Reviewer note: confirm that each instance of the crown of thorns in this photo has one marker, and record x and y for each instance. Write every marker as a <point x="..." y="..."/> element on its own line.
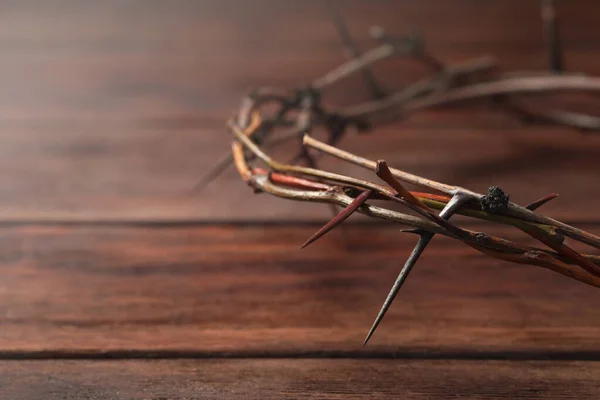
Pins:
<point x="258" y="127"/>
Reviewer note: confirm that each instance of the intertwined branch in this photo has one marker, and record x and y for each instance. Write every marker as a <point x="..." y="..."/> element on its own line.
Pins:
<point x="310" y="184"/>
<point x="299" y="113"/>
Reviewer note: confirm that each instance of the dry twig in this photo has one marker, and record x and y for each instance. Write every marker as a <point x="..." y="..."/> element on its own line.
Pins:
<point x="301" y="111"/>
<point x="315" y="185"/>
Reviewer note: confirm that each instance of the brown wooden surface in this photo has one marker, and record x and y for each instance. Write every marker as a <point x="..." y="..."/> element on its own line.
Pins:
<point x="109" y="113"/>
<point x="105" y="116"/>
<point x="139" y="174"/>
<point x="216" y="290"/>
<point x="301" y="379"/>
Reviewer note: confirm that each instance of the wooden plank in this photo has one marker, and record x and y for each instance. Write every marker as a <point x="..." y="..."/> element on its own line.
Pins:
<point x="91" y="173"/>
<point x="299" y="379"/>
<point x="103" y="116"/>
<point x="68" y="60"/>
<point x="218" y="290"/>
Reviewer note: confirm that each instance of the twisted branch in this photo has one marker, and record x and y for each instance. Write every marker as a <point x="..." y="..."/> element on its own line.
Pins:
<point x="300" y="112"/>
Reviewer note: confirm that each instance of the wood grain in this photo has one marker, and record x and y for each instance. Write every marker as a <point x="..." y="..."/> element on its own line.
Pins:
<point x="299" y="379"/>
<point x="70" y="60"/>
<point x="73" y="61"/>
<point x="250" y="291"/>
<point x="109" y="113"/>
<point x="145" y="174"/>
<point x="105" y="117"/>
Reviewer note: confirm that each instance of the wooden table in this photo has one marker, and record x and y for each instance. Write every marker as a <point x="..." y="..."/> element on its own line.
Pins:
<point x="118" y="282"/>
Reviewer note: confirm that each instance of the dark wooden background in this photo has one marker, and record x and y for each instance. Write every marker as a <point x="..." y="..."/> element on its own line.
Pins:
<point x="118" y="282"/>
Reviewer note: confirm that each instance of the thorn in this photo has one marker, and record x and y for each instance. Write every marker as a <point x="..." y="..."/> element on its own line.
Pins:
<point x="382" y="170"/>
<point x="333" y="210"/>
<point x="226" y="159"/>
<point x="352" y="50"/>
<point x="304" y="155"/>
<point x="214" y="172"/>
<point x="415" y="203"/>
<point x="555" y="57"/>
<point x="410" y="263"/>
<point x="556" y="243"/>
<point x="453" y="205"/>
<point x="540" y="202"/>
<point x="414" y="231"/>
<point x="340" y="217"/>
